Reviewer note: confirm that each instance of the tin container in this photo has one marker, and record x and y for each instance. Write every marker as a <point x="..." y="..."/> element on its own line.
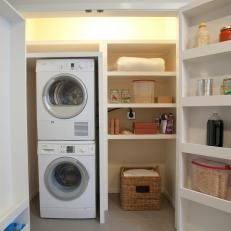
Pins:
<point x="204" y="87"/>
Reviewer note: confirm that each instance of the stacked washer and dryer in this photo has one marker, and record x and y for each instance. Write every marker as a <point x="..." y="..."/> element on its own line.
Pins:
<point x="66" y="137"/>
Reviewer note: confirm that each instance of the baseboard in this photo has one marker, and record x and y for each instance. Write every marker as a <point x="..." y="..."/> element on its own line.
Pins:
<point x="169" y="198"/>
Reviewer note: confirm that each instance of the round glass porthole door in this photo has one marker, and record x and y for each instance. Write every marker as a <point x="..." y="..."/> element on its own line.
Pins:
<point x="65" y="96"/>
<point x="66" y="178"/>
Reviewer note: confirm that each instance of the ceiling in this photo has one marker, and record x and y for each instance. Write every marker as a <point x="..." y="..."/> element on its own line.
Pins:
<point x="52" y="8"/>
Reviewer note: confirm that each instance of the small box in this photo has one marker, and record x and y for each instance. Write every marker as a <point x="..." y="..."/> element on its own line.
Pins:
<point x="210" y="177"/>
<point x="140" y="192"/>
<point x="144" y="128"/>
<point x="164" y="99"/>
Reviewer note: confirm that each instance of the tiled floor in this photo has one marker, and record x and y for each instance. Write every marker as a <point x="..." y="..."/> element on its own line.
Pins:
<point x="117" y="220"/>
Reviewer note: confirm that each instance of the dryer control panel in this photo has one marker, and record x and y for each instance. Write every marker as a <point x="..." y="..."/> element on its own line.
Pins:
<point x="67" y="149"/>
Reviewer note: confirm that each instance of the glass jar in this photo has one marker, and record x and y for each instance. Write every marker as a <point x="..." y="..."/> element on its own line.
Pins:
<point x="227" y="86"/>
<point x="203" y="37"/>
<point x="115" y="96"/>
<point x="225" y="34"/>
<point x="125" y="96"/>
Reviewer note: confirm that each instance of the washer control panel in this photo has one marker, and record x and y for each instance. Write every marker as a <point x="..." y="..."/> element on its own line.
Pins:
<point x="67" y="149"/>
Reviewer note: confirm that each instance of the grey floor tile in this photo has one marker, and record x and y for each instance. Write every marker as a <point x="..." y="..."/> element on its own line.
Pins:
<point x="117" y="219"/>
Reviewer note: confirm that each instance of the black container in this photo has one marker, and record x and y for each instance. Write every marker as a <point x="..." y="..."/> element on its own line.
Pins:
<point x="215" y="130"/>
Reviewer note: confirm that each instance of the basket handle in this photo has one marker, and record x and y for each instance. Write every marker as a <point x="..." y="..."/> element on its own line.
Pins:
<point x="142" y="189"/>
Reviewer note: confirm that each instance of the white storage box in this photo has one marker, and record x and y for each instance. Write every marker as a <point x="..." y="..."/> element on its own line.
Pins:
<point x="210" y="177"/>
<point x="144" y="91"/>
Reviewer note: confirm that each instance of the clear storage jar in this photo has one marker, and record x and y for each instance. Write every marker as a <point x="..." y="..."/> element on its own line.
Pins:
<point x="144" y="91"/>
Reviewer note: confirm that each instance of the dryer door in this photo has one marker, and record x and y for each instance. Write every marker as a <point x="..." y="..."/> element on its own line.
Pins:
<point x="66" y="178"/>
<point x="65" y="96"/>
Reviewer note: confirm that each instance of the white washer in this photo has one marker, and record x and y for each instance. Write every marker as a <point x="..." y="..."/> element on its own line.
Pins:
<point x="66" y="99"/>
<point x="67" y="178"/>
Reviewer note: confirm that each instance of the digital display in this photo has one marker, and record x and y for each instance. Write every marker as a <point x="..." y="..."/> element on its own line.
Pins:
<point x="70" y="149"/>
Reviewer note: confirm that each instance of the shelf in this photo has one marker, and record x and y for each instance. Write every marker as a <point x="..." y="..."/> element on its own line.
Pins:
<point x="205" y="150"/>
<point x="210" y="50"/>
<point x="206" y="200"/>
<point x="206" y="101"/>
<point x="142" y="137"/>
<point x="142" y="105"/>
<point x="11" y="214"/>
<point x="140" y="74"/>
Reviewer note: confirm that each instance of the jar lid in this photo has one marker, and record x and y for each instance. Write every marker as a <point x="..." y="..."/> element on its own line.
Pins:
<point x="226" y="28"/>
<point x="202" y="25"/>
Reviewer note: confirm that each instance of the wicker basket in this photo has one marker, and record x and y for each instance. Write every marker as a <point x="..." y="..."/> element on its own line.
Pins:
<point x="140" y="193"/>
<point x="210" y="177"/>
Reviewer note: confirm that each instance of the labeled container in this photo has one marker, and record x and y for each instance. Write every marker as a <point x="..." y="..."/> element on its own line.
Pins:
<point x="227" y="86"/>
<point x="210" y="177"/>
<point x="125" y="96"/>
<point x="144" y="91"/>
<point x="225" y="34"/>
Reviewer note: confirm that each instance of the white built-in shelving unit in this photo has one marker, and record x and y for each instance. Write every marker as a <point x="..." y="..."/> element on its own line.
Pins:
<point x="145" y="149"/>
<point x="198" y="211"/>
<point x="14" y="198"/>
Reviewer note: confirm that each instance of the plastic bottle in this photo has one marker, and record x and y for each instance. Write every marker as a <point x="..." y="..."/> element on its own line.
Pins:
<point x="215" y="130"/>
<point x="203" y="37"/>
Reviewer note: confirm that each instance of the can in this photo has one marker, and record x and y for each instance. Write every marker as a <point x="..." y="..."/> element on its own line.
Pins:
<point x="204" y="87"/>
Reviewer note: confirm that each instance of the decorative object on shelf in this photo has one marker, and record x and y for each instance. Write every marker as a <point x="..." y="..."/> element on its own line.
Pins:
<point x="157" y="122"/>
<point x="204" y="87"/>
<point x="140" y="188"/>
<point x="167" y="123"/>
<point x="164" y="99"/>
<point x="117" y="126"/>
<point x="125" y="96"/>
<point x="210" y="177"/>
<point x="215" y="127"/>
<point x="144" y="128"/>
<point x="112" y="126"/>
<point x="140" y="64"/>
<point x="225" y="34"/>
<point x="115" y="96"/>
<point x="227" y="86"/>
<point x="203" y="37"/>
<point x="126" y="132"/>
<point x="144" y="91"/>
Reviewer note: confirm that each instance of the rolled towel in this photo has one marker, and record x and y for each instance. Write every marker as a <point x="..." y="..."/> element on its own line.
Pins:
<point x="140" y="64"/>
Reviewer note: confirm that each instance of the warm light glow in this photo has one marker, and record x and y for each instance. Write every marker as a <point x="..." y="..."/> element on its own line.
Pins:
<point x="101" y="28"/>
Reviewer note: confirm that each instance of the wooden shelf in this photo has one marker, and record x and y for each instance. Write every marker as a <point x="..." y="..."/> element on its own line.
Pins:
<point x="142" y="105"/>
<point x="205" y="150"/>
<point x="142" y="137"/>
<point x="211" y="50"/>
<point x="12" y="213"/>
<point x="204" y="199"/>
<point x="206" y="101"/>
<point x="140" y="73"/>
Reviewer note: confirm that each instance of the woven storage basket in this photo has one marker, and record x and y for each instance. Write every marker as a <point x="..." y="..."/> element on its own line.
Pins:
<point x="210" y="177"/>
<point x="141" y="192"/>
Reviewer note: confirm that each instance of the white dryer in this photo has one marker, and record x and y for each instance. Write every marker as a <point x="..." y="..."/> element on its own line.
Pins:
<point x="67" y="179"/>
<point x="66" y="99"/>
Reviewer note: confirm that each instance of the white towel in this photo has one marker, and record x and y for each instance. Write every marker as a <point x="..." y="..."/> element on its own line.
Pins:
<point x="140" y="172"/>
<point x="140" y="64"/>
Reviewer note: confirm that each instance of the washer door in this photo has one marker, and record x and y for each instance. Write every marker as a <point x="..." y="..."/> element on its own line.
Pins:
<point x="65" y="96"/>
<point x="66" y="178"/>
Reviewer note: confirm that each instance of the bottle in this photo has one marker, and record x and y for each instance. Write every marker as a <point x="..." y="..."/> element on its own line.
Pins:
<point x="170" y="124"/>
<point x="215" y="130"/>
<point x="203" y="37"/>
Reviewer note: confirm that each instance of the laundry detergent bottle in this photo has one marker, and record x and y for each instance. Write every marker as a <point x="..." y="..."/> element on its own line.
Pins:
<point x="215" y="130"/>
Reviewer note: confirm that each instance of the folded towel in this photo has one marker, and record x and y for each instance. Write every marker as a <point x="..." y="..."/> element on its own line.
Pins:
<point x="140" y="64"/>
<point x="140" y="173"/>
